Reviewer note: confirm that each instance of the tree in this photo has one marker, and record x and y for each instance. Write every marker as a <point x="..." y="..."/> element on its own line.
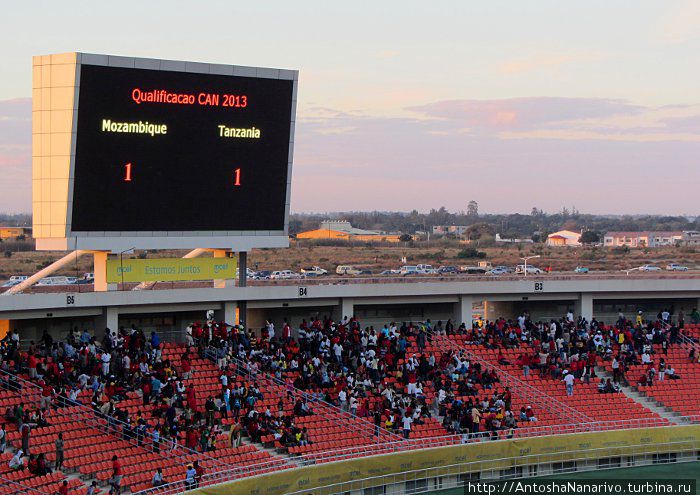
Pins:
<point x="473" y="209"/>
<point x="469" y="253"/>
<point x="589" y="237"/>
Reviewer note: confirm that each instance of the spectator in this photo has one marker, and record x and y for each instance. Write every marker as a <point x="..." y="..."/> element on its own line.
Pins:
<point x="158" y="478"/>
<point x="569" y="381"/>
<point x="17" y="462"/>
<point x="3" y="438"/>
<point x="25" y="433"/>
<point x="59" y="452"/>
<point x="116" y="479"/>
<point x="190" y="477"/>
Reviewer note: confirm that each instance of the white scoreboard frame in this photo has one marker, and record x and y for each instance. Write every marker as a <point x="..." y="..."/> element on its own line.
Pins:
<point x="55" y="101"/>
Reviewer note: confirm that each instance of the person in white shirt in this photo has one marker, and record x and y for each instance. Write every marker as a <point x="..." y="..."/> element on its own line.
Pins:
<point x="569" y="381"/>
<point x="407" y="420"/>
<point x="343" y="399"/>
<point x="106" y="358"/>
<point x="353" y="405"/>
<point x="270" y="330"/>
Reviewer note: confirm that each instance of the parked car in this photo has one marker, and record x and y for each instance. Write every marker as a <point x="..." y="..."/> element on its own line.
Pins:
<point x="408" y="270"/>
<point x="426" y="268"/>
<point x="506" y="269"/>
<point x="497" y="271"/>
<point x="471" y="269"/>
<point x="531" y="270"/>
<point x="87" y="278"/>
<point x="15" y="280"/>
<point x="249" y="273"/>
<point x="314" y="271"/>
<point x="581" y="269"/>
<point x="347" y="270"/>
<point x="55" y="281"/>
<point x="448" y="269"/>
<point x="283" y="275"/>
<point x="390" y="272"/>
<point x="262" y="275"/>
<point x="675" y="267"/>
<point x="649" y="268"/>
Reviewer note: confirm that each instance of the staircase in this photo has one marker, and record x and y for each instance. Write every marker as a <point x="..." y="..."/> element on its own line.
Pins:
<point x="648" y="402"/>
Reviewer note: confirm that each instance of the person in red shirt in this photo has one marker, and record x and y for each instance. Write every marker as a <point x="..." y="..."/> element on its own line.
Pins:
<point x="32" y="361"/>
<point x="63" y="489"/>
<point x="116" y="480"/>
<point x="199" y="472"/>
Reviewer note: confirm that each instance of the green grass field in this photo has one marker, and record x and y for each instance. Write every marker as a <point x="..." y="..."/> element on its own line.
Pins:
<point x="685" y="470"/>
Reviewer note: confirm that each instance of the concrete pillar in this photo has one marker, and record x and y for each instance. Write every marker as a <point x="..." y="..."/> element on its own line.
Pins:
<point x="464" y="311"/>
<point x="227" y="313"/>
<point x="584" y="306"/>
<point x="242" y="269"/>
<point x="108" y="319"/>
<point x="347" y="308"/>
<point x="99" y="268"/>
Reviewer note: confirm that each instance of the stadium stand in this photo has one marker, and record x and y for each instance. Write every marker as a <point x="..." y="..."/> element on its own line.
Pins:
<point x="236" y="403"/>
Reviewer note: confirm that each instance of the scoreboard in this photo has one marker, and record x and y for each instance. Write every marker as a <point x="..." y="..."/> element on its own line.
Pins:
<point x="160" y="154"/>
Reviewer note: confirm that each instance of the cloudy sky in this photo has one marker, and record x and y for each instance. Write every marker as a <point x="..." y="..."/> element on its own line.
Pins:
<point x="412" y="104"/>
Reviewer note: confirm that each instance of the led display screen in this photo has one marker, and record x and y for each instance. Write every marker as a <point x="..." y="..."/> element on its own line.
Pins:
<point x="180" y="152"/>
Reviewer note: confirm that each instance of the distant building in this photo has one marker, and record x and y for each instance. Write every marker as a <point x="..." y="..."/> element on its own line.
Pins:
<point x="13" y="232"/>
<point x="564" y="238"/>
<point x="341" y="229"/>
<point x="690" y="238"/>
<point x="457" y="230"/>
<point x="513" y="241"/>
<point x="642" y="239"/>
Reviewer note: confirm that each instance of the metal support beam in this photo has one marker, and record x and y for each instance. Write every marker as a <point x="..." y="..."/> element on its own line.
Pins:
<point x="45" y="272"/>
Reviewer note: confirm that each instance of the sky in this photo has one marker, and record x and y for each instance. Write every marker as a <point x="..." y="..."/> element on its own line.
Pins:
<point x="415" y="105"/>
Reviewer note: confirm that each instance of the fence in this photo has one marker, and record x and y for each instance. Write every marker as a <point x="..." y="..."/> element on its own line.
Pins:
<point x="400" y="447"/>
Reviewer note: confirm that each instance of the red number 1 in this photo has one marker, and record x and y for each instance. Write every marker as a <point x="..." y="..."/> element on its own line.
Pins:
<point x="127" y="172"/>
<point x="237" y="180"/>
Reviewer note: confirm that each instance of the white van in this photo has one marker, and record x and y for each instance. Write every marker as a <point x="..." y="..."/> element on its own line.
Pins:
<point x="426" y="269"/>
<point x="347" y="270"/>
<point x="283" y="275"/>
<point x="531" y="270"/>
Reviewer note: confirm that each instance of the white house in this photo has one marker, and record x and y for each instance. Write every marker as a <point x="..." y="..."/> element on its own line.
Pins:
<point x="642" y="239"/>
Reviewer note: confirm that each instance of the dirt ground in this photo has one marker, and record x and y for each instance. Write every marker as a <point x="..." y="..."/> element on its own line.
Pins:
<point x="377" y="258"/>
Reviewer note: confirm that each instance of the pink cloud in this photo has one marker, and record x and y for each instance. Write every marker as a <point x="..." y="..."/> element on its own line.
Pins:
<point x="524" y="113"/>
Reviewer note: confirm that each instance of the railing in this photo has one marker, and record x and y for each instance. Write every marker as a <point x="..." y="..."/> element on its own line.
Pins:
<point x="242" y="366"/>
<point x="233" y="474"/>
<point x="9" y="487"/>
<point x="508" y="468"/>
<point x="107" y="424"/>
<point x="518" y="386"/>
<point x="333" y="280"/>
